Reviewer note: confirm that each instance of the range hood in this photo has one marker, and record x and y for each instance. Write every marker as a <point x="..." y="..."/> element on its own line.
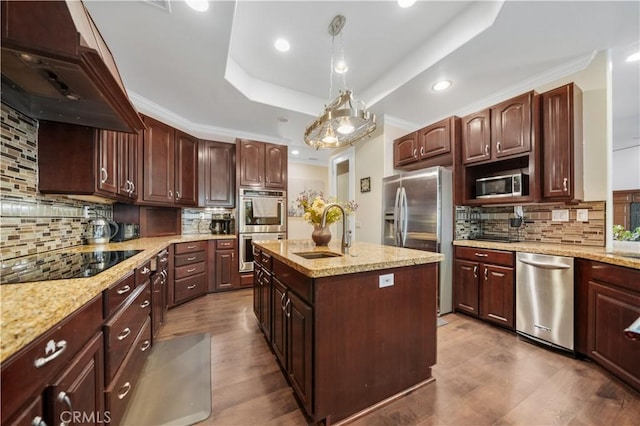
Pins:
<point x="57" y="67"/>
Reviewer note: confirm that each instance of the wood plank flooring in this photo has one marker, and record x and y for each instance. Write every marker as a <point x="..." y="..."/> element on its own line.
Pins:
<point x="484" y="376"/>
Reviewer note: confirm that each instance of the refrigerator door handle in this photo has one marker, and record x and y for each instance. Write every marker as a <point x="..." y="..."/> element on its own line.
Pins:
<point x="396" y="219"/>
<point x="405" y="217"/>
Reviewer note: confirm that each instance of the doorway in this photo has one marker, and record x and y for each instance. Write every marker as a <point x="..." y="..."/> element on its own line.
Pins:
<point x="342" y="185"/>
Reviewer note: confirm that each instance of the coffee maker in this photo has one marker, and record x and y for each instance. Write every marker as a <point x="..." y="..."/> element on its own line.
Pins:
<point x="222" y="224"/>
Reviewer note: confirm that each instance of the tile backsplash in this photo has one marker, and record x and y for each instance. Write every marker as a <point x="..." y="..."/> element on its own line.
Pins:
<point x="31" y="222"/>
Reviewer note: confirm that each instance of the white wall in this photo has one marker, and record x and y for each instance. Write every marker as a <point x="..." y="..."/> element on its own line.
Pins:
<point x="370" y="161"/>
<point x="298" y="228"/>
<point x="626" y="173"/>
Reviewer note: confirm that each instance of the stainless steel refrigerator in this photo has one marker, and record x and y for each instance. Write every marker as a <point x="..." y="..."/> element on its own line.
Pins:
<point x="418" y="214"/>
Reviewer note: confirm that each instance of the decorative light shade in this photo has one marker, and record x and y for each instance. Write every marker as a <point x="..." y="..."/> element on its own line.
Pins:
<point x="341" y="123"/>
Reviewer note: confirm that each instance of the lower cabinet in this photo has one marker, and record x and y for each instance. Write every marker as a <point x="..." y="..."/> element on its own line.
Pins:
<point x="189" y="272"/>
<point x="262" y="289"/>
<point x="484" y="285"/>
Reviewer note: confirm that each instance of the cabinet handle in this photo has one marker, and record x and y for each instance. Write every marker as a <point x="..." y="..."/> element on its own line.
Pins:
<point x="177" y="195"/>
<point x="486" y="274"/>
<point x="481" y="254"/>
<point x="498" y="146"/>
<point x="191" y="270"/>
<point x="145" y="271"/>
<point x="415" y="153"/>
<point x="486" y="150"/>
<point x="282" y="304"/>
<point x="51" y="348"/>
<point x="206" y="198"/>
<point x="191" y="258"/>
<point x="124" y="333"/>
<point x="37" y="421"/>
<point x="133" y="188"/>
<point x="191" y="247"/>
<point x="170" y="194"/>
<point x="103" y="175"/>
<point x="287" y="311"/>
<point x="64" y="398"/>
<point x="145" y="345"/>
<point x="191" y="287"/>
<point x="421" y="150"/>
<point x="145" y="304"/>
<point x="163" y="253"/>
<point x="164" y="260"/>
<point x="565" y="184"/>
<point x="124" y="390"/>
<point x="124" y="289"/>
<point x="475" y="272"/>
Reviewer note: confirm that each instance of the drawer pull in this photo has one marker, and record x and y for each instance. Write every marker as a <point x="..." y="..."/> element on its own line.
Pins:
<point x="191" y="287"/>
<point x="145" y="304"/>
<point x="51" y="349"/>
<point x="191" y="258"/>
<point x="63" y="397"/>
<point x="145" y="345"/>
<point x="191" y="270"/>
<point x="164" y="260"/>
<point x="124" y="289"/>
<point x="37" y="421"/>
<point x="124" y="390"/>
<point x="191" y="247"/>
<point x="145" y="271"/>
<point x="124" y="333"/>
<point x="481" y="255"/>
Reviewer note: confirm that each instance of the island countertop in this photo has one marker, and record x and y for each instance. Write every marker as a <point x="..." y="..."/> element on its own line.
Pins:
<point x="362" y="257"/>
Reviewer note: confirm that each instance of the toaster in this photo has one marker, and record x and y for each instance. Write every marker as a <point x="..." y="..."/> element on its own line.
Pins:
<point x="126" y="231"/>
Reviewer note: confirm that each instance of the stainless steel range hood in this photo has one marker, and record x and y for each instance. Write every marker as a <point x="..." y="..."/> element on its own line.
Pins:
<point x="57" y="67"/>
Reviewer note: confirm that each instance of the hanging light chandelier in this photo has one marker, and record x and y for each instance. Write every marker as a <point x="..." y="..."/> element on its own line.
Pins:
<point x="342" y="122"/>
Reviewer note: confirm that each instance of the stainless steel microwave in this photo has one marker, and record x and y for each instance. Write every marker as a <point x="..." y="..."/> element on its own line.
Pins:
<point x="503" y="186"/>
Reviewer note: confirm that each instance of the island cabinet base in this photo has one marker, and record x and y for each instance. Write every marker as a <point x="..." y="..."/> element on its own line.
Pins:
<point x="372" y="343"/>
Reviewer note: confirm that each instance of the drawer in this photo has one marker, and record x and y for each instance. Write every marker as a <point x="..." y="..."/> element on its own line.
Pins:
<point x="620" y="276"/>
<point x="189" y="270"/>
<point x="143" y="273"/>
<point x="122" y="329"/>
<point x="188" y="288"/>
<point x="119" y="392"/>
<point x="267" y="262"/>
<point x="497" y="257"/>
<point x="189" y="258"/>
<point x="26" y="371"/>
<point x="116" y="294"/>
<point x="190" y="247"/>
<point x="225" y="244"/>
<point x="294" y="280"/>
<point x="257" y="256"/>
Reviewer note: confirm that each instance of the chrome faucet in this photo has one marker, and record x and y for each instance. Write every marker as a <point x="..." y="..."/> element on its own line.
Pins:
<point x="346" y="234"/>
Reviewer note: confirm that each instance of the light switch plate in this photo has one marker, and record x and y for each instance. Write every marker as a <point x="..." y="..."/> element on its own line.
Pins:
<point x="560" y="215"/>
<point x="385" y="280"/>
<point x="582" y="215"/>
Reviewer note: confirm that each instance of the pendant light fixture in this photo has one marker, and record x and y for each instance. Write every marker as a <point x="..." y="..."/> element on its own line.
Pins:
<point x="342" y="122"/>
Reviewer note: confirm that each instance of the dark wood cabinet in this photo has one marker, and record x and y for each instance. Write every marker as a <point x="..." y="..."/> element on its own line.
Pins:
<point x="225" y="265"/>
<point x="511" y="126"/>
<point x="622" y="206"/>
<point x="189" y="272"/>
<point x="300" y="347"/>
<point x="216" y="166"/>
<point x="128" y="158"/>
<point x="159" y="284"/>
<point x="484" y="285"/>
<point x="433" y="145"/>
<point x="562" y="167"/>
<point x="108" y="145"/>
<point x="476" y="137"/>
<point x="170" y="165"/>
<point x="262" y="164"/>
<point x="279" y="321"/>
<point x="262" y="291"/>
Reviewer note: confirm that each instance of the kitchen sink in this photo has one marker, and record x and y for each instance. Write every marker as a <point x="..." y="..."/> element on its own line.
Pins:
<point x="317" y="254"/>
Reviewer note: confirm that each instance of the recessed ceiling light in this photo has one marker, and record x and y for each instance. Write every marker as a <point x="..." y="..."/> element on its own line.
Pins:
<point x="441" y="85"/>
<point x="199" y="5"/>
<point x="295" y="152"/>
<point x="282" y="45"/>
<point x="406" y="3"/>
<point x="634" y="57"/>
<point x="341" y="67"/>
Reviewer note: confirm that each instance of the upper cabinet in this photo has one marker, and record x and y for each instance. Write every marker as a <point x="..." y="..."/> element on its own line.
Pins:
<point x="216" y="165"/>
<point x="261" y="164"/>
<point x="562" y="144"/>
<point x="433" y="145"/>
<point x="169" y="162"/>
<point x="476" y="137"/>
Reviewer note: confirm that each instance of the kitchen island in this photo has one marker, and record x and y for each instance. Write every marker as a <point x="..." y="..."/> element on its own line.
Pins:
<point x="350" y="332"/>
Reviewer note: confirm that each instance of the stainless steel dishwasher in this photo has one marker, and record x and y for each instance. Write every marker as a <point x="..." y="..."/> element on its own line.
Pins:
<point x="544" y="299"/>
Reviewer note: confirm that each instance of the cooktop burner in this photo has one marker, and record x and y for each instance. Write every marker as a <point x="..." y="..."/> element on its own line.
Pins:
<point x="59" y="265"/>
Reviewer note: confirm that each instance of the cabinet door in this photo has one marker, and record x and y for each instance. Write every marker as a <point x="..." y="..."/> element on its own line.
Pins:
<point x="466" y="286"/>
<point x="158" y="162"/>
<point x="557" y="167"/>
<point x="186" y="169"/>
<point x="511" y="126"/>
<point x="225" y="261"/>
<point x="108" y="161"/>
<point x="257" y="293"/>
<point x="251" y="163"/>
<point x="32" y="414"/>
<point x="476" y="137"/>
<point x="275" y="166"/>
<point x="279" y="321"/>
<point x="435" y="139"/>
<point x="217" y="174"/>
<point x="610" y="311"/>
<point x="265" y="304"/>
<point x="405" y="150"/>
<point x="498" y="295"/>
<point x="79" y="388"/>
<point x="128" y="165"/>
<point x="300" y="344"/>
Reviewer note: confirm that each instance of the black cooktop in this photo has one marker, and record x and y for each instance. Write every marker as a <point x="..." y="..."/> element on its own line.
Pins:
<point x="60" y="265"/>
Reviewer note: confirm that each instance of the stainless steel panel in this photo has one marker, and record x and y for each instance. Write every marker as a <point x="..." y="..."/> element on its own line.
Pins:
<point x="544" y="298"/>
<point x="390" y="192"/>
<point x="421" y="203"/>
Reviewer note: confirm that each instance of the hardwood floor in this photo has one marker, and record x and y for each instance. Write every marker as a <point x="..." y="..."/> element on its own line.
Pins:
<point x="484" y="376"/>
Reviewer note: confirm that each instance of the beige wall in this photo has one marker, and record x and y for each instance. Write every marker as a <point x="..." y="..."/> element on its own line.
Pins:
<point x="370" y="161"/>
<point x="298" y="172"/>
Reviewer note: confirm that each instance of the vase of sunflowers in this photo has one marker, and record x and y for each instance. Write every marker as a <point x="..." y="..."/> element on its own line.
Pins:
<point x="313" y="204"/>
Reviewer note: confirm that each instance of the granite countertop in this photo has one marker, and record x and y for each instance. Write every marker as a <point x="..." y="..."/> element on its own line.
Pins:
<point x="30" y="309"/>
<point x="571" y="250"/>
<point x="362" y="257"/>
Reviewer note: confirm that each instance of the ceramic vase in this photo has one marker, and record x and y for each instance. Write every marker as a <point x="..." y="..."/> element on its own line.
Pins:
<point x="321" y="235"/>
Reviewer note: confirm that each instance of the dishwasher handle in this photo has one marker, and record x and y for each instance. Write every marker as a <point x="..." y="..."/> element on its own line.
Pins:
<point x="544" y="265"/>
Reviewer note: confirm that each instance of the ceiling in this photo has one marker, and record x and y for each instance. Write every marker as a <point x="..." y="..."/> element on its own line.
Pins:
<point x="218" y="76"/>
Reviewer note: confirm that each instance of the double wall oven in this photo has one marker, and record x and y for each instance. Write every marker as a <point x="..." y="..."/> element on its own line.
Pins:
<point x="262" y="216"/>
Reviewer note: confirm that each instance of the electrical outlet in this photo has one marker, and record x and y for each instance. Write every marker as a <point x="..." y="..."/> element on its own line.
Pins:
<point x="385" y="280"/>
<point x="201" y="215"/>
<point x="560" y="215"/>
<point x="582" y="215"/>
